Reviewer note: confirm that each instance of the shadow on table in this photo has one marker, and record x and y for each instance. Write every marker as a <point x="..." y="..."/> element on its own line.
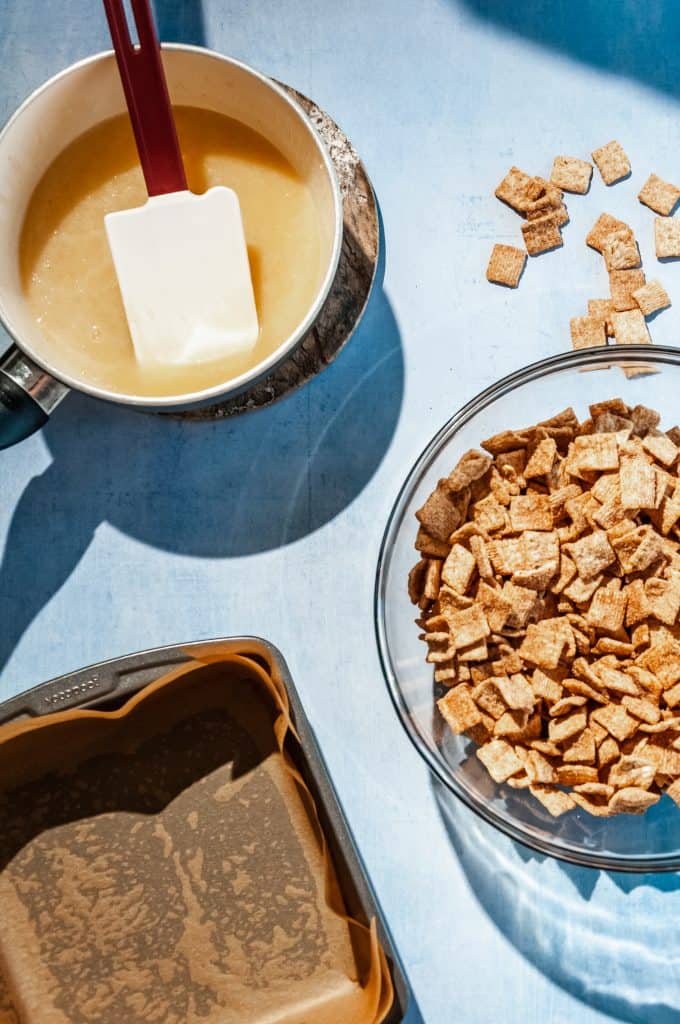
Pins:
<point x="213" y="489"/>
<point x="625" y="38"/>
<point x="608" y="939"/>
<point x="180" y="21"/>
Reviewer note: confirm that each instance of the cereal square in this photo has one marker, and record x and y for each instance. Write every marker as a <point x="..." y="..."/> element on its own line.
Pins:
<point x="659" y="195"/>
<point x="667" y="238"/>
<point x="459" y="709"/>
<point x="630" y="328"/>
<point x="571" y="174"/>
<point x="506" y="265"/>
<point x="439" y="515"/>
<point x="468" y="627"/>
<point x="607" y="609"/>
<point x="541" y="234"/>
<point x="622" y="284"/>
<point x="587" y="332"/>
<point x="612" y="162"/>
<point x="531" y="512"/>
<point x="601" y="229"/>
<point x="458" y="568"/>
<point x="602" y="309"/>
<point x="555" y="801"/>
<point x="499" y="759"/>
<point x="515" y="189"/>
<point x="592" y="554"/>
<point x="638" y="483"/>
<point x="651" y="297"/>
<point x="620" y="250"/>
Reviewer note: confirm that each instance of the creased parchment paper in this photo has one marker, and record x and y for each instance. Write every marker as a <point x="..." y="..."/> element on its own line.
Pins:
<point x="164" y="864"/>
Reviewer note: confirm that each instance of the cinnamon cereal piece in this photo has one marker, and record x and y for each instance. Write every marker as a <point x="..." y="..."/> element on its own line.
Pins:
<point x="612" y="162"/>
<point x="622" y="284"/>
<point x="620" y="250"/>
<point x="506" y="264"/>
<point x="471" y="466"/>
<point x="468" y="627"/>
<point x="632" y="800"/>
<point x="667" y="238"/>
<point x="651" y="297"/>
<point x="499" y="759"/>
<point x="602" y="309"/>
<point x="601" y="229"/>
<point x="587" y="332"/>
<point x="541" y="234"/>
<point x="571" y="174"/>
<point x="459" y="709"/>
<point x="555" y="801"/>
<point x="659" y="195"/>
<point x="458" y="568"/>
<point x="515" y="190"/>
<point x="616" y="721"/>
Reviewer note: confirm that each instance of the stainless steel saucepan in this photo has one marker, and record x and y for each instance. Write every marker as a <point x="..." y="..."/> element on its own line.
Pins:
<point x="77" y="99"/>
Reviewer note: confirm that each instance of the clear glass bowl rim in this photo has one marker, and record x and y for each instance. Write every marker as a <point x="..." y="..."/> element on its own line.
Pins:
<point x="656" y="354"/>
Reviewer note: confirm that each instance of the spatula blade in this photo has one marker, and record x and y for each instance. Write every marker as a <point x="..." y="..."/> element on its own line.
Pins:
<point x="183" y="271"/>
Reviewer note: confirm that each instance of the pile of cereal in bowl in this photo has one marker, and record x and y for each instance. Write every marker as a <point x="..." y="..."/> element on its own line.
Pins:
<point x="549" y="596"/>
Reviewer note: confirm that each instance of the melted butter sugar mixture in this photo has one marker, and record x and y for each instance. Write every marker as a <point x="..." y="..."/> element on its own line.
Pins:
<point x="68" y="274"/>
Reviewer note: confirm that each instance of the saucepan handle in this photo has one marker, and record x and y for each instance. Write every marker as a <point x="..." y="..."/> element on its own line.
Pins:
<point x="27" y="397"/>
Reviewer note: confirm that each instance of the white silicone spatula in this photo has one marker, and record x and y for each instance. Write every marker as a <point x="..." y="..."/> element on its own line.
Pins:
<point x="181" y="259"/>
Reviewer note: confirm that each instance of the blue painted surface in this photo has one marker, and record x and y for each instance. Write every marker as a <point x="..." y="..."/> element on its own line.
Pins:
<point x="120" y="531"/>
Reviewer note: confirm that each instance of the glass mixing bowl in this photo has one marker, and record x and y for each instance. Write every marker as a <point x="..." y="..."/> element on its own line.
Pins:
<point x="650" y="842"/>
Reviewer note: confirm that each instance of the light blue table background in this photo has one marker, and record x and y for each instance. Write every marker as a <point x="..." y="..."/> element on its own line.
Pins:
<point x="120" y="531"/>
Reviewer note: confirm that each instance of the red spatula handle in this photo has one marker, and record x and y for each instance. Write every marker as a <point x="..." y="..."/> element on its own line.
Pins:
<point x="148" y="100"/>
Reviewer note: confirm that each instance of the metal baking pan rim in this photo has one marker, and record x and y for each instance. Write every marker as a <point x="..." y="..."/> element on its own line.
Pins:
<point x="108" y="681"/>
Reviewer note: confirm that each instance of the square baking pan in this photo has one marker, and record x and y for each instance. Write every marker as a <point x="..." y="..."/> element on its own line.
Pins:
<point x="108" y="684"/>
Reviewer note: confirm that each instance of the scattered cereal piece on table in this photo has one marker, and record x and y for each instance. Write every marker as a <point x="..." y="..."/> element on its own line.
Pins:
<point x="651" y="297"/>
<point x="571" y="174"/>
<point x="620" y="250"/>
<point x="667" y="238"/>
<point x="630" y="328"/>
<point x="516" y="190"/>
<point x="612" y="162"/>
<point x="622" y="284"/>
<point x="601" y="229"/>
<point x="506" y="265"/>
<point x="541" y="235"/>
<point x="587" y="332"/>
<point x="602" y="309"/>
<point x="659" y="195"/>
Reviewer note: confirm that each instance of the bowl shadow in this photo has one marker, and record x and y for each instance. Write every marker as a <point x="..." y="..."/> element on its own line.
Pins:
<point x="606" y="938"/>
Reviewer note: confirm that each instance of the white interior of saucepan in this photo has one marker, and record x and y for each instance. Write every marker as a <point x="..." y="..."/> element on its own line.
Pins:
<point x="90" y="92"/>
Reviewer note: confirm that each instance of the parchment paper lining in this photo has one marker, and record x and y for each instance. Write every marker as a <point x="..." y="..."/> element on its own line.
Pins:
<point x="27" y="752"/>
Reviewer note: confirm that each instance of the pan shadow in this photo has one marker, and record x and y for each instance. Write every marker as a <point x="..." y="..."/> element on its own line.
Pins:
<point x="629" y="39"/>
<point x="608" y="939"/>
<point x="208" y="489"/>
<point x="180" y="21"/>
